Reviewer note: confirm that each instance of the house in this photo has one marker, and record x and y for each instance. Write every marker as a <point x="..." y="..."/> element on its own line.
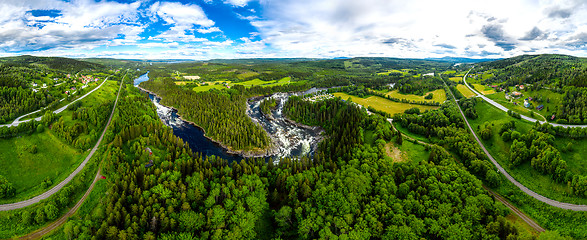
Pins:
<point x="516" y="94"/>
<point x="552" y="118"/>
<point x="44" y="85"/>
<point x="34" y="84"/>
<point x="540" y="107"/>
<point x="526" y="103"/>
<point x="521" y="87"/>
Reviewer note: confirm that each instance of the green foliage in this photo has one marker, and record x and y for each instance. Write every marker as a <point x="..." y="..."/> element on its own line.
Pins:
<point x="267" y="105"/>
<point x="6" y="188"/>
<point x="412" y="111"/>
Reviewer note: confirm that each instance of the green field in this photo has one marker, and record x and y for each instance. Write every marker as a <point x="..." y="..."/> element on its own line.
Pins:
<point x="391" y="71"/>
<point x="483" y="89"/>
<point x="499" y="97"/>
<point x="439" y="95"/>
<point x="246" y="75"/>
<point x="255" y="82"/>
<point x="383" y="104"/>
<point x="54" y="160"/>
<point x="465" y="90"/>
<point x="208" y="87"/>
<point x="456" y="79"/>
<point x="576" y="161"/>
<point x="524" y="173"/>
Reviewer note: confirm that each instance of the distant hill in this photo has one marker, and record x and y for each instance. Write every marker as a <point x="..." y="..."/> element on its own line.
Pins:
<point x="561" y="70"/>
<point x="261" y="60"/>
<point x="65" y="64"/>
<point x="462" y="60"/>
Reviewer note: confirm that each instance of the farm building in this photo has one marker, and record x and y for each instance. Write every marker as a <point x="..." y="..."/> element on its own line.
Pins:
<point x="540" y="107"/>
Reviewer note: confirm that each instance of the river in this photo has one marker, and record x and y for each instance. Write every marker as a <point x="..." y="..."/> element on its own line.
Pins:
<point x="288" y="139"/>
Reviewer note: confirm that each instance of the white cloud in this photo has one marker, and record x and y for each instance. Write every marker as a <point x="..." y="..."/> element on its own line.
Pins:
<point x="183" y="18"/>
<point x="209" y="30"/>
<point x="418" y="28"/>
<point x="181" y="15"/>
<point x="238" y="3"/>
<point x="79" y="24"/>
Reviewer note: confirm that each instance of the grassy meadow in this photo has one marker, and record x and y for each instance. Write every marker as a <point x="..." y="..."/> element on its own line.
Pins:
<point x="483" y="89"/>
<point x="383" y="104"/>
<point x="524" y="173"/>
<point x="439" y="95"/>
<point x="465" y="90"/>
<point x="54" y="160"/>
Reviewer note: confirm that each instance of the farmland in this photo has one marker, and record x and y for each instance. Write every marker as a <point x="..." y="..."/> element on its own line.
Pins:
<point x="383" y="104"/>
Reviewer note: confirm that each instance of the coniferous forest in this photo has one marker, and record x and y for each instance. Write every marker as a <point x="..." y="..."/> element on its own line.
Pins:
<point x="412" y="174"/>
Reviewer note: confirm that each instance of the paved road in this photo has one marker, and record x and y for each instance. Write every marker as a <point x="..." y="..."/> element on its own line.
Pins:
<point x="46" y="230"/>
<point x="533" y="194"/>
<point x="17" y="120"/>
<point x="498" y="197"/>
<point x="505" y="109"/>
<point x="36" y="199"/>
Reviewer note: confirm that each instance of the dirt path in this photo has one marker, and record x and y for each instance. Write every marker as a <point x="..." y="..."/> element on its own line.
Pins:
<point x="40" y="233"/>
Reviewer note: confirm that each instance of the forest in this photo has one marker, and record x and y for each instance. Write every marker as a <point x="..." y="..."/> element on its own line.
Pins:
<point x="156" y="187"/>
<point x="343" y="191"/>
<point x="559" y="73"/>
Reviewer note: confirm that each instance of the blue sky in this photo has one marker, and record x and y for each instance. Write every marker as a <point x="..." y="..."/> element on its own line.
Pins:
<point x="208" y="29"/>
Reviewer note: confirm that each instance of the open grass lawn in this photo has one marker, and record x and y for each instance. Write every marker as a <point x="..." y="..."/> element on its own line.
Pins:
<point x="456" y="79"/>
<point x="208" y="87"/>
<point x="541" y="96"/>
<point x="383" y="104"/>
<point x="577" y="158"/>
<point x="500" y="150"/>
<point x="413" y="152"/>
<point x="246" y="75"/>
<point x="483" y="89"/>
<point x="499" y="97"/>
<point x="54" y="159"/>
<point x="254" y="82"/>
<point x="26" y="171"/>
<point x="391" y="71"/>
<point x="465" y="90"/>
<point x="439" y="95"/>
<point x="182" y="82"/>
<point x="408" y="151"/>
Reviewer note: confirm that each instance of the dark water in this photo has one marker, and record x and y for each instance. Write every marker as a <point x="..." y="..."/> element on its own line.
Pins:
<point x="187" y="132"/>
<point x="291" y="140"/>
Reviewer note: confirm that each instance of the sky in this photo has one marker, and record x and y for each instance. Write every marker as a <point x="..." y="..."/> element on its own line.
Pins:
<point x="213" y="29"/>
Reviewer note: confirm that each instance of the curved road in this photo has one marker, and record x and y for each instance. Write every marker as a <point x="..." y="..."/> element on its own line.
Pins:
<point x="533" y="194"/>
<point x="498" y="197"/>
<point x="62" y="220"/>
<point x="505" y="109"/>
<point x="17" y="120"/>
<point x="36" y="199"/>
